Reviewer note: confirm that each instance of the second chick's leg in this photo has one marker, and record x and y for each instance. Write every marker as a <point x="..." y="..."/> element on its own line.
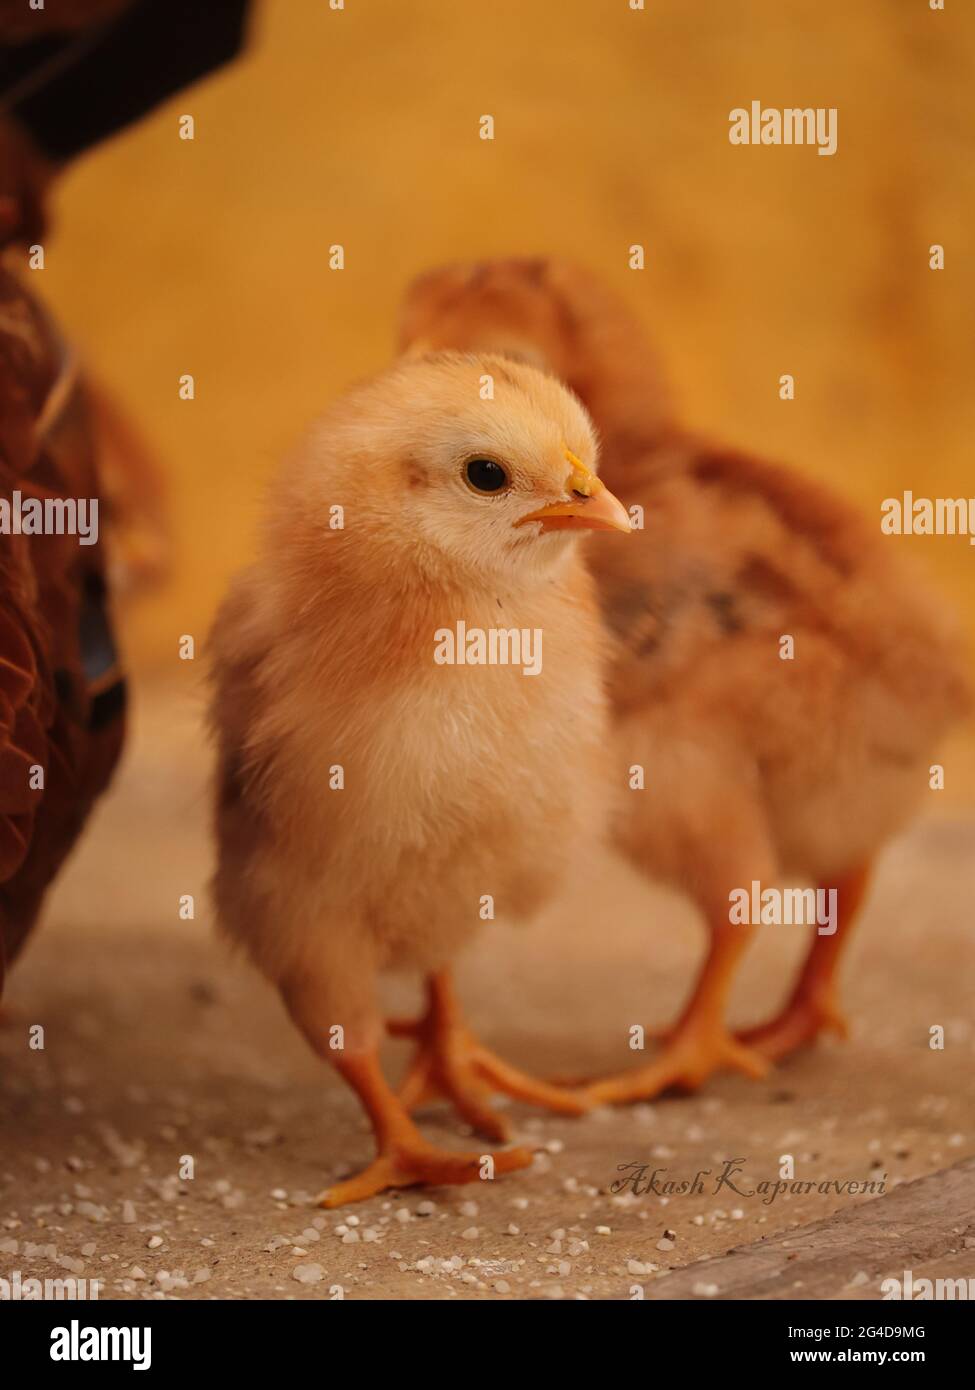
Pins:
<point x="700" y="1043"/>
<point x="813" y="1006"/>
<point x="450" y="1062"/>
<point x="404" y="1158"/>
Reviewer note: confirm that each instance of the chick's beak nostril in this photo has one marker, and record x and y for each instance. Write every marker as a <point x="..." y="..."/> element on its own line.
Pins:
<point x="590" y="505"/>
<point x="595" y="509"/>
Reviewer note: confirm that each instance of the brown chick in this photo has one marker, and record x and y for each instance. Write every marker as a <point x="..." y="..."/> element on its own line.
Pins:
<point x="757" y="768"/>
<point x="373" y="798"/>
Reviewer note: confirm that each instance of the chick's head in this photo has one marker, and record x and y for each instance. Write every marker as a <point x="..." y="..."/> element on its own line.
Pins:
<point x="475" y="464"/>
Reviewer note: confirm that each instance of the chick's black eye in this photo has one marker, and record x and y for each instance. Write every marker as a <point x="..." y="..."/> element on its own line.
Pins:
<point x="484" y="475"/>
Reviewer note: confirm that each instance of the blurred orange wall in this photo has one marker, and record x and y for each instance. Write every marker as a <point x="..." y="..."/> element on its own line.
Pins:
<point x="360" y="126"/>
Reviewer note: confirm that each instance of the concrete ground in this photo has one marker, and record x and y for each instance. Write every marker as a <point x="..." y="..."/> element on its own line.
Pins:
<point x="158" y="1047"/>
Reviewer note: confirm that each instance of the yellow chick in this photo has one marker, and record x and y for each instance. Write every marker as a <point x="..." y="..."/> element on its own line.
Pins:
<point x="780" y="676"/>
<point x="409" y="715"/>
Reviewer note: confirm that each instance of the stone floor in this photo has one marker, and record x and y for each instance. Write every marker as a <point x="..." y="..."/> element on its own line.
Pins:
<point x="158" y="1047"/>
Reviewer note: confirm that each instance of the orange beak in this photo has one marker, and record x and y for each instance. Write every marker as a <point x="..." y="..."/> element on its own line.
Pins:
<point x="590" y="506"/>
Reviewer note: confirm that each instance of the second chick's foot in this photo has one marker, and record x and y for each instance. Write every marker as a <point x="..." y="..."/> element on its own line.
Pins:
<point x="694" y="1053"/>
<point x="450" y="1063"/>
<point x="798" y="1025"/>
<point x="418" y="1163"/>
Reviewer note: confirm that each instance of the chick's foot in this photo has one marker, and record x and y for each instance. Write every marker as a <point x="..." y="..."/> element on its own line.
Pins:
<point x="416" y="1163"/>
<point x="404" y="1158"/>
<point x="798" y="1025"/>
<point x="695" y="1052"/>
<point x="450" y="1062"/>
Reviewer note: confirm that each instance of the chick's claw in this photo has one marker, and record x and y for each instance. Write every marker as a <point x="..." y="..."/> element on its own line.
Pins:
<point x="684" y="1064"/>
<point x="422" y="1164"/>
<point x="449" y="1062"/>
<point x="456" y="1067"/>
<point x="431" y="1076"/>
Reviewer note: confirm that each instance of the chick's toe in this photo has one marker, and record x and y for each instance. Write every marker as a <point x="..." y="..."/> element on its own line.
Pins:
<point x="698" y="1049"/>
<point x="419" y="1163"/>
<point x="449" y="1062"/>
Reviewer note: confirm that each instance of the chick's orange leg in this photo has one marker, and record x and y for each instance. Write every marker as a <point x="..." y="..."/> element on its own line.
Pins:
<point x="404" y="1158"/>
<point x="813" y="1006"/>
<point x="450" y="1062"/>
<point x="700" y="1043"/>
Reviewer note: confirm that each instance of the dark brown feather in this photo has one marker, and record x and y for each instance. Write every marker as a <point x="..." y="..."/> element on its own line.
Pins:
<point x="52" y="699"/>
